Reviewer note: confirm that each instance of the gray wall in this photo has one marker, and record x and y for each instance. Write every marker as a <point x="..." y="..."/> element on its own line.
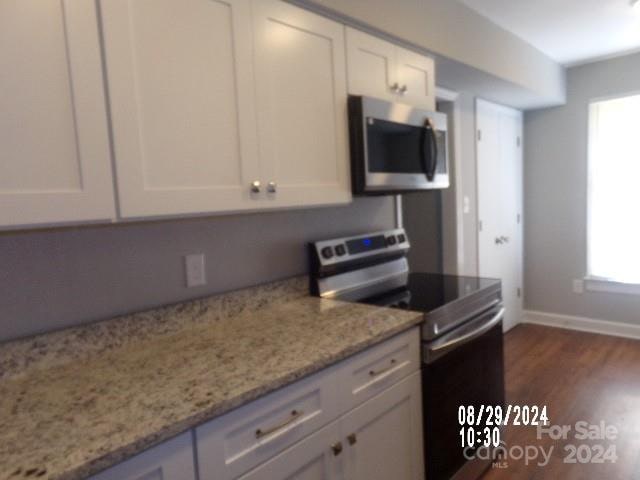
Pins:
<point x="422" y="218"/>
<point x="556" y="195"/>
<point x="57" y="278"/>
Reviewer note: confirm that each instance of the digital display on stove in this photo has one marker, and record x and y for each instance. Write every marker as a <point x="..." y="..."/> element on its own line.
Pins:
<point x="366" y="244"/>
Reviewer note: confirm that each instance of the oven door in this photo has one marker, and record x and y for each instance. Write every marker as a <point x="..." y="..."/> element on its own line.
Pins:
<point x="400" y="148"/>
<point x="466" y="367"/>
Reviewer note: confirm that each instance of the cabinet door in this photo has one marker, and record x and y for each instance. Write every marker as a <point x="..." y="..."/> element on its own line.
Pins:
<point x="180" y="84"/>
<point x="416" y="76"/>
<point x="55" y="165"/>
<point x="371" y="66"/>
<point x="302" y="105"/>
<point x="172" y="460"/>
<point x="384" y="435"/>
<point x="310" y="459"/>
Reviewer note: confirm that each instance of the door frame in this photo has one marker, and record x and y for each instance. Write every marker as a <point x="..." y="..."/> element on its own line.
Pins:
<point x="453" y="258"/>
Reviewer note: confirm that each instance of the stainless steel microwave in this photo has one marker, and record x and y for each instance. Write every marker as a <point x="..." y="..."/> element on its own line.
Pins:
<point x="396" y="148"/>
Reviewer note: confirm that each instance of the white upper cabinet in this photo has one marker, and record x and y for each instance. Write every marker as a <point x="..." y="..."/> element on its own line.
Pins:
<point x="55" y="163"/>
<point x="181" y="89"/>
<point x="191" y="135"/>
<point x="416" y="79"/>
<point x="302" y="105"/>
<point x="380" y="69"/>
<point x="372" y="69"/>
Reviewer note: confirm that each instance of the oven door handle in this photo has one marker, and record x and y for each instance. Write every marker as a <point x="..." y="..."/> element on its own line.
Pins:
<point x="440" y="350"/>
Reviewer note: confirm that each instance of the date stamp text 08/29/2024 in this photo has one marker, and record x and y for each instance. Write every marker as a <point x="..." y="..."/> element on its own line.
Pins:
<point x="481" y="431"/>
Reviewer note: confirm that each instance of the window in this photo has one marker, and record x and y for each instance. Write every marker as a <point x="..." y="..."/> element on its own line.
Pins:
<point x="614" y="190"/>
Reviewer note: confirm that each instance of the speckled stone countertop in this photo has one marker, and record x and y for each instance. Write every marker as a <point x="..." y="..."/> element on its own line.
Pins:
<point x="77" y="401"/>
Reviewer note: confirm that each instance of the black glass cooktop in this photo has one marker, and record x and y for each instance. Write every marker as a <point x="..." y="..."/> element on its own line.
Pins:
<point x="426" y="292"/>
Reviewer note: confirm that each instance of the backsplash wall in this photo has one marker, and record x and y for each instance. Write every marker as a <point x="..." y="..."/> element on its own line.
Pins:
<point x="58" y="278"/>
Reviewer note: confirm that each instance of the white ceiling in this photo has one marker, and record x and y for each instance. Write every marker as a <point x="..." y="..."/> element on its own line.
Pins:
<point x="568" y="31"/>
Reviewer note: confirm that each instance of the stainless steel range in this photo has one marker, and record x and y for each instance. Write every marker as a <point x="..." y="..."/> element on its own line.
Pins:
<point x="462" y="345"/>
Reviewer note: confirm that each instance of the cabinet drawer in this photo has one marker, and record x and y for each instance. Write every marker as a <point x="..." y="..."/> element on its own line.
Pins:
<point x="376" y="369"/>
<point x="233" y="444"/>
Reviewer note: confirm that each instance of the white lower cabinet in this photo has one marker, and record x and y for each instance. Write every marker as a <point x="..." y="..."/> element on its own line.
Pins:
<point x="317" y="457"/>
<point x="384" y="435"/>
<point x="380" y="440"/>
<point x="360" y="419"/>
<point x="172" y="460"/>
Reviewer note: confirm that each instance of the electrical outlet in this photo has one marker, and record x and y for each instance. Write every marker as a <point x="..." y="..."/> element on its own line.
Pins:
<point x="466" y="205"/>
<point x="194" y="270"/>
<point x="578" y="286"/>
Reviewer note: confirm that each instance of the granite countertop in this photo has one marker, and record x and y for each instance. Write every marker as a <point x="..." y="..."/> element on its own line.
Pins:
<point x="75" y="402"/>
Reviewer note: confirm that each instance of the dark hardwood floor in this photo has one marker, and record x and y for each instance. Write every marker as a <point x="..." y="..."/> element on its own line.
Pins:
<point x="580" y="377"/>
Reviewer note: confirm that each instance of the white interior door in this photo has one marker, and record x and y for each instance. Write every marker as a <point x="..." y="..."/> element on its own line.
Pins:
<point x="499" y="164"/>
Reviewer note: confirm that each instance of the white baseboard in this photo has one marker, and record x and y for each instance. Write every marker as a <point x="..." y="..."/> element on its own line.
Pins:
<point x="582" y="324"/>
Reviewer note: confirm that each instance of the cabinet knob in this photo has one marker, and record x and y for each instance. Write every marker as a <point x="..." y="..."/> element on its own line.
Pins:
<point x="395" y="87"/>
<point x="352" y="439"/>
<point x="255" y="186"/>
<point x="272" y="187"/>
<point x="404" y="89"/>
<point x="336" y="448"/>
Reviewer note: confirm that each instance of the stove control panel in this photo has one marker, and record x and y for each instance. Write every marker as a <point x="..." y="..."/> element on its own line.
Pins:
<point x="342" y="251"/>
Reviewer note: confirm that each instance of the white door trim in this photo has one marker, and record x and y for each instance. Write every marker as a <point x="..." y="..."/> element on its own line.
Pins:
<point x="455" y="207"/>
<point x="582" y="324"/>
<point x="446" y="94"/>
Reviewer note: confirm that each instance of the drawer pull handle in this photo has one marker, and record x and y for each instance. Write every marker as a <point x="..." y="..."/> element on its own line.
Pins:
<point x="337" y="448"/>
<point x="352" y="439"/>
<point x="295" y="414"/>
<point x="374" y="373"/>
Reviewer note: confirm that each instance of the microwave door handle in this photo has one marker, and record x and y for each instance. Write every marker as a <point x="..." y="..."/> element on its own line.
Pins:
<point x="423" y="152"/>
<point x="433" y="147"/>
